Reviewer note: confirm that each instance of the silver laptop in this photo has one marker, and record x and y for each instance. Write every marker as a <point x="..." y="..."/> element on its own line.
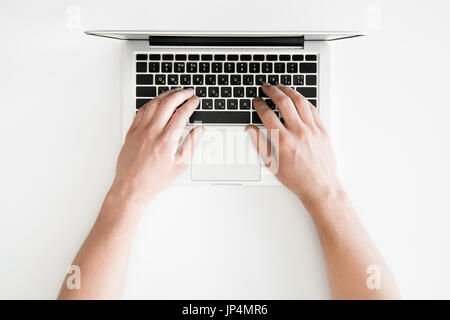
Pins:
<point x="226" y="70"/>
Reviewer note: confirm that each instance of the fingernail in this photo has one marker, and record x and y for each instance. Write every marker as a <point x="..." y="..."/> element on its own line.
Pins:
<point x="256" y="98"/>
<point x="265" y="84"/>
<point x="280" y="85"/>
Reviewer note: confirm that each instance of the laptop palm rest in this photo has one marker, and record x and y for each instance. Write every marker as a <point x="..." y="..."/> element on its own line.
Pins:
<point x="225" y="155"/>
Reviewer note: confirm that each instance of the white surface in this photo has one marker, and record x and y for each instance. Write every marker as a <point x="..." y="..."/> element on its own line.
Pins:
<point x="60" y="134"/>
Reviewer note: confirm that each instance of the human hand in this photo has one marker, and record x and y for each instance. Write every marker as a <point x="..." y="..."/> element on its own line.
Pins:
<point x="306" y="163"/>
<point x="149" y="159"/>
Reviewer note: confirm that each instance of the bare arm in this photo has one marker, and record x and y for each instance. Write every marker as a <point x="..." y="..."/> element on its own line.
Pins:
<point x="304" y="162"/>
<point x="148" y="162"/>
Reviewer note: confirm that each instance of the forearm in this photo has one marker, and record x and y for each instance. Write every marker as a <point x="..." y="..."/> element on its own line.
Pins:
<point x="103" y="257"/>
<point x="349" y="252"/>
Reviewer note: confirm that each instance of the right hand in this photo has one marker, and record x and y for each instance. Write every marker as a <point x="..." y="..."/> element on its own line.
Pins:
<point x="306" y="164"/>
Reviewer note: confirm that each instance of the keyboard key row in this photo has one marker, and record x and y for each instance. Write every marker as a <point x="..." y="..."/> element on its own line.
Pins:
<point x="224" y="79"/>
<point x="223" y="92"/>
<point x="222" y="104"/>
<point x="223" y="57"/>
<point x="227" y="67"/>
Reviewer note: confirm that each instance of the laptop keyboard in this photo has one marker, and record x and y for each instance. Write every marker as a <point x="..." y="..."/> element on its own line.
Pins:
<point x="225" y="83"/>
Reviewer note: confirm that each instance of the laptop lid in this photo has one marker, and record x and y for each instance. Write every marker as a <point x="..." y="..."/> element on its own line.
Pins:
<point x="226" y="38"/>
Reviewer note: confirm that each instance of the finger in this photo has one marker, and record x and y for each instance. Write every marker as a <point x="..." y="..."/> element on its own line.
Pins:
<point x="262" y="145"/>
<point x="152" y="105"/>
<point x="138" y="116"/>
<point x="284" y="104"/>
<point x="168" y="105"/>
<point x="315" y="114"/>
<point x="187" y="149"/>
<point x="300" y="102"/>
<point x="267" y="116"/>
<point x="181" y="116"/>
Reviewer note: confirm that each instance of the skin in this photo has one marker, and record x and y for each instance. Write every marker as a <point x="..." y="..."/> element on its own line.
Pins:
<point x="149" y="161"/>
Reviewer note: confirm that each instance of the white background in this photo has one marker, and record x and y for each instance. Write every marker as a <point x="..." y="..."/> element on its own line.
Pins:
<point x="60" y="125"/>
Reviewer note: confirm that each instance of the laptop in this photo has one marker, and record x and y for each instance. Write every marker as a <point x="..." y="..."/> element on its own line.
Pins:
<point x="226" y="70"/>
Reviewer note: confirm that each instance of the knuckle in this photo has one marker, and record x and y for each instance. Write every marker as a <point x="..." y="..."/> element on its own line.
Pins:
<point x="284" y="100"/>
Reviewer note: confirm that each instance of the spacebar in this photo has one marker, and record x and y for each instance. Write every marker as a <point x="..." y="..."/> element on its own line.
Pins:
<point x="220" y="117"/>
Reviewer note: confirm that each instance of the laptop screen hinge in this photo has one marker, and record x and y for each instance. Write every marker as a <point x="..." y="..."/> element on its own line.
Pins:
<point x="224" y="41"/>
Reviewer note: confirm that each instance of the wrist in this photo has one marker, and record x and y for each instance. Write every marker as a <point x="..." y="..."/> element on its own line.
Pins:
<point x="326" y="202"/>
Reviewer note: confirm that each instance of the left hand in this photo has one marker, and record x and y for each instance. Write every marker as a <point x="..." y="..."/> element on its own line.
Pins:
<point x="149" y="159"/>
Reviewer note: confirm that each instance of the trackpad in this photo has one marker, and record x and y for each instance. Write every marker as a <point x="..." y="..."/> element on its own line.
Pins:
<point x="225" y="155"/>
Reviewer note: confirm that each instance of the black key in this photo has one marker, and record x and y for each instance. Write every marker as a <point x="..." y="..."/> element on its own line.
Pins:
<point x="141" y="102"/>
<point x="167" y="56"/>
<point x="235" y="79"/>
<point x="232" y="104"/>
<point x="175" y="87"/>
<point x="141" y="67"/>
<point x="251" y="92"/>
<point x="279" y="67"/>
<point x="219" y="104"/>
<point x="308" y="67"/>
<point x="261" y="93"/>
<point x="153" y="67"/>
<point x="222" y="79"/>
<point x="246" y="57"/>
<point x="207" y="57"/>
<point x="297" y="57"/>
<point x="244" y="104"/>
<point x="238" y="92"/>
<point x="311" y="79"/>
<point x="292" y="68"/>
<point x="178" y="67"/>
<point x="247" y="79"/>
<point x="180" y="57"/>
<point x="144" y="79"/>
<point x="172" y="79"/>
<point x="228" y="67"/>
<point x="197" y="79"/>
<point x="286" y="79"/>
<point x="299" y="80"/>
<point x="241" y="67"/>
<point x="207" y="104"/>
<point x="200" y="91"/>
<point x="273" y="79"/>
<point x="255" y="118"/>
<point x="258" y="57"/>
<point x="267" y="67"/>
<point x="162" y="89"/>
<point x="260" y="79"/>
<point x="194" y="57"/>
<point x="203" y="67"/>
<point x="270" y="103"/>
<point x="166" y="66"/>
<point x="213" y="92"/>
<point x="160" y="79"/>
<point x="310" y="57"/>
<point x="285" y="57"/>
<point x="220" y="117"/>
<point x="307" y="92"/>
<point x="155" y="57"/>
<point x="219" y="57"/>
<point x="191" y="67"/>
<point x="226" y="92"/>
<point x="216" y="67"/>
<point x="232" y="57"/>
<point x="210" y="79"/>
<point x="141" y="57"/>
<point x="145" y="91"/>
<point x="254" y="67"/>
<point x="185" y="79"/>
<point x="271" y="57"/>
<point x="313" y="102"/>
